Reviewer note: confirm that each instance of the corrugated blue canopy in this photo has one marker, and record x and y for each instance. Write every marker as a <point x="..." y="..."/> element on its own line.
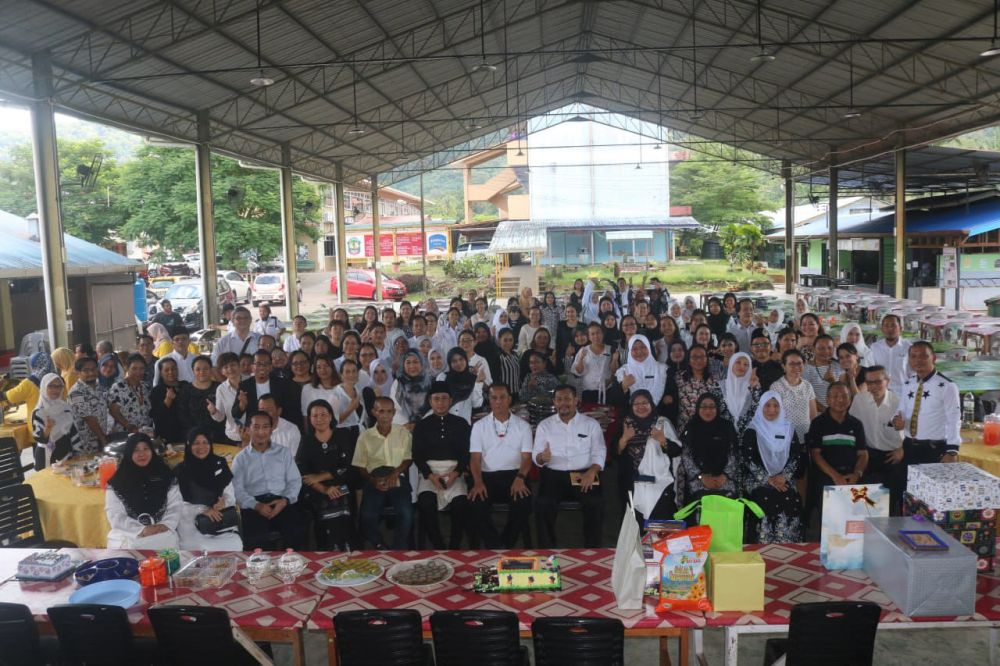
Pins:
<point x="21" y="255"/>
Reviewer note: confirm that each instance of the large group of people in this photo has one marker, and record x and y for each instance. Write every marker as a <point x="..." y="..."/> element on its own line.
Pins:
<point x="408" y="414"/>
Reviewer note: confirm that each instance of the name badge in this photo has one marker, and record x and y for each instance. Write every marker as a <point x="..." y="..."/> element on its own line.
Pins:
<point x="218" y="472"/>
<point x="581" y="435"/>
<point x="779" y="436"/>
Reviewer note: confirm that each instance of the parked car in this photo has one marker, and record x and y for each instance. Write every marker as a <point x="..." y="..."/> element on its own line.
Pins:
<point x="269" y="287"/>
<point x="185" y="297"/>
<point x="361" y="284"/>
<point x="467" y="250"/>
<point x="240" y="286"/>
<point x="160" y="285"/>
<point x="193" y="261"/>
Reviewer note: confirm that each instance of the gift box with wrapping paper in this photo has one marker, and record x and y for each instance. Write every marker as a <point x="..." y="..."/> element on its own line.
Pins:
<point x="842" y="532"/>
<point x="976" y="529"/>
<point x="736" y="581"/>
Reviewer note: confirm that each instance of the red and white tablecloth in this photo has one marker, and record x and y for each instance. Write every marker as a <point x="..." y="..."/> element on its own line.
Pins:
<point x="795" y="575"/>
<point x="586" y="590"/>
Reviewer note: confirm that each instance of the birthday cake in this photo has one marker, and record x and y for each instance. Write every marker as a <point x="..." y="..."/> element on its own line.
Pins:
<point x="520" y="574"/>
<point x="49" y="565"/>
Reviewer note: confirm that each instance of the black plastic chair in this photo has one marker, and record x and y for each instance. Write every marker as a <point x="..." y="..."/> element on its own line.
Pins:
<point x="381" y="638"/>
<point x="98" y="635"/>
<point x="578" y="641"/>
<point x="20" y="526"/>
<point x="11" y="469"/>
<point x="19" y="641"/>
<point x="827" y="633"/>
<point x="196" y="636"/>
<point x="483" y="638"/>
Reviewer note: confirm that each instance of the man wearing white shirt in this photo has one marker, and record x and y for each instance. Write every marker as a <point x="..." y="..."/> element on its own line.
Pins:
<point x="891" y="353"/>
<point x="180" y="353"/>
<point x="570" y="449"/>
<point x="284" y="433"/>
<point x="743" y="325"/>
<point x="877" y="408"/>
<point x="378" y="340"/>
<point x="268" y="324"/>
<point x="241" y="340"/>
<point x="391" y="330"/>
<point x="292" y="343"/>
<point x="500" y="449"/>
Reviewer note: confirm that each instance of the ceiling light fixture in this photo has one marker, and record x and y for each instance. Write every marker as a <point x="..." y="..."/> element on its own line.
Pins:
<point x="851" y="112"/>
<point x="474" y="126"/>
<point x="995" y="42"/>
<point x="484" y="65"/>
<point x="260" y="81"/>
<point x="356" y="129"/>
<point x="586" y="59"/>
<point x="762" y="56"/>
<point x="659" y="103"/>
<point x="696" y="114"/>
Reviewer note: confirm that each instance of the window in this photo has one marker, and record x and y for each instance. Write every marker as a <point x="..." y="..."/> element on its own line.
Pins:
<point x="329" y="246"/>
<point x="804" y="254"/>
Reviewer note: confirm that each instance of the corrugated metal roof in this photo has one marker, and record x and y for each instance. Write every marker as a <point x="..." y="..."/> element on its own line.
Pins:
<point x="21" y="257"/>
<point x="519" y="236"/>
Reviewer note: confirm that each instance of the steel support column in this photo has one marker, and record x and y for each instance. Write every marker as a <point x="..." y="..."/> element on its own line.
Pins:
<point x="288" y="232"/>
<point x="833" y="265"/>
<point x="338" y="204"/>
<point x="423" y="231"/>
<point x="786" y="174"/>
<point x="900" y="223"/>
<point x="376" y="239"/>
<point x="206" y="221"/>
<point x="50" y="226"/>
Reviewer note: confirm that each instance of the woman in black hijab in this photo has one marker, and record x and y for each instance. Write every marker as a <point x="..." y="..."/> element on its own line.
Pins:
<point x="206" y="484"/>
<point x="487" y="347"/>
<point x="708" y="457"/>
<point x="718" y="320"/>
<point x="142" y="503"/>
<point x="612" y="334"/>
<point x="642" y="427"/>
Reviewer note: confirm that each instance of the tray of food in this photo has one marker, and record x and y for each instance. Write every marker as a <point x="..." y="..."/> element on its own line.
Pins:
<point x="349" y="572"/>
<point x="207" y="571"/>
<point x="420" y="573"/>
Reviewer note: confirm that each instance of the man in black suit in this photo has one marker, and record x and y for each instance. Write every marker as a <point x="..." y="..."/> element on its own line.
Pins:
<point x="286" y="393"/>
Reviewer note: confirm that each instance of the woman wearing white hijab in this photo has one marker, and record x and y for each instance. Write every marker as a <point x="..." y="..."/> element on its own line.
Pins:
<point x="591" y="303"/>
<point x="741" y="390"/>
<point x="499" y="322"/>
<point x="852" y="333"/>
<point x="640" y="371"/>
<point x="380" y="373"/>
<point x="52" y="421"/>
<point x="771" y="457"/>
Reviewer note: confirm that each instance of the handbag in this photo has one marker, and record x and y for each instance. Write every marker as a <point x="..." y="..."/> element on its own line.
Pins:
<point x="655" y="465"/>
<point x="628" y="573"/>
<point x="725" y="517"/>
<point x="205" y="525"/>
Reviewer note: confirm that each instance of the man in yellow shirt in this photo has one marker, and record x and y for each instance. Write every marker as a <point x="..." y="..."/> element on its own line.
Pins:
<point x="382" y="457"/>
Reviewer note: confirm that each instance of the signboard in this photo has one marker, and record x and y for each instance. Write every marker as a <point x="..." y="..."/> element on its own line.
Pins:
<point x="360" y="245"/>
<point x="437" y="243"/>
<point x="409" y="244"/>
<point x="949" y="267"/>
<point x="632" y="234"/>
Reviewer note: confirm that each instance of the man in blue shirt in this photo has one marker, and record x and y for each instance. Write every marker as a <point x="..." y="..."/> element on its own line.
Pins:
<point x="267" y="485"/>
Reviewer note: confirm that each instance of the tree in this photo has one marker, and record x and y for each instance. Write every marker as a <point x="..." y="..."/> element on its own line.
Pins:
<point x="89" y="207"/>
<point x="161" y="201"/>
<point x="722" y="192"/>
<point x="740" y="242"/>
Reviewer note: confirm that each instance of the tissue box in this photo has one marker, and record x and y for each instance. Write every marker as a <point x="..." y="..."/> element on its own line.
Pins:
<point x="976" y="529"/>
<point x="736" y="581"/>
<point x="921" y="583"/>
<point x="952" y="486"/>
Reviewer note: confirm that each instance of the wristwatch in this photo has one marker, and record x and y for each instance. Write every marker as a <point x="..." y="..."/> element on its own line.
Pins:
<point x="521" y="476"/>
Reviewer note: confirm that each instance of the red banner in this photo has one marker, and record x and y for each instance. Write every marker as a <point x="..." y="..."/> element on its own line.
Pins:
<point x="409" y="244"/>
<point x="385" y="245"/>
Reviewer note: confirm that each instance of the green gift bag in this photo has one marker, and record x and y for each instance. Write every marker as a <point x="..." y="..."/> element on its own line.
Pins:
<point x="725" y="517"/>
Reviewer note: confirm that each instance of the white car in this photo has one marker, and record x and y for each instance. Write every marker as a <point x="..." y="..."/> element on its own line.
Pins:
<point x="467" y="250"/>
<point x="269" y="287"/>
<point x="193" y="261"/>
<point x="241" y="288"/>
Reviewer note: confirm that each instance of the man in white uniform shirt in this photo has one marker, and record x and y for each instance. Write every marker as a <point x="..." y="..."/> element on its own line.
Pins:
<point x="877" y="408"/>
<point x="241" y="340"/>
<point x="268" y="324"/>
<point x="298" y="328"/>
<point x="500" y="448"/>
<point x="930" y="415"/>
<point x="570" y="449"/>
<point x="891" y="353"/>
<point x="284" y="433"/>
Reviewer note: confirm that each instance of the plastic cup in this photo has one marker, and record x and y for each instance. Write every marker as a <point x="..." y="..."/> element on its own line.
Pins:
<point x="106" y="470"/>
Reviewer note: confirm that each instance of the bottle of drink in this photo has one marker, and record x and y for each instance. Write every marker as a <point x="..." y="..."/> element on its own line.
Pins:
<point x="968" y="410"/>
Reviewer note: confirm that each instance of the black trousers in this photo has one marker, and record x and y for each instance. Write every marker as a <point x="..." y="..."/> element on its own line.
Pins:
<point x="498" y="492"/>
<point x="879" y="471"/>
<point x="915" y="452"/>
<point x="291" y="523"/>
<point x="556" y="487"/>
<point x="427" y="511"/>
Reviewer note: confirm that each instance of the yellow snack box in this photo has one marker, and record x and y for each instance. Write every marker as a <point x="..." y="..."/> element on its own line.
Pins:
<point x="736" y="581"/>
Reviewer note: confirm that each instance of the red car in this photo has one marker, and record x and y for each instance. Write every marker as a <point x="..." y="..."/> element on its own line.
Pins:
<point x="361" y="284"/>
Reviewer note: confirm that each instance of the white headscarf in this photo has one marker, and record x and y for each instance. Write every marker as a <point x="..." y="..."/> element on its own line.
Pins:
<point x="774" y="438"/>
<point x="496" y="326"/>
<point x="591" y="309"/>
<point x="430" y="362"/>
<point x="649" y="374"/>
<point x="736" y="389"/>
<point x="58" y="410"/>
<point x="385" y="387"/>
<point x="864" y="351"/>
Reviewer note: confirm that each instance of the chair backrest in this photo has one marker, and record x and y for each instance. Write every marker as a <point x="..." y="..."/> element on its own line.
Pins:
<point x="832" y="633"/>
<point x="483" y="638"/>
<point x="11" y="472"/>
<point x="380" y="638"/>
<point x="194" y="635"/>
<point x="578" y="641"/>
<point x="93" y="634"/>
<point x="19" y="645"/>
<point x="20" y="526"/>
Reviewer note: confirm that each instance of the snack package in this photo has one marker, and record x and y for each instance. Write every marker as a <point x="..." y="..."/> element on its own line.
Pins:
<point x="682" y="571"/>
<point x="656" y="530"/>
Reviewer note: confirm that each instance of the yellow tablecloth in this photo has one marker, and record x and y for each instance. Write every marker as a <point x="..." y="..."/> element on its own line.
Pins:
<point x="77" y="514"/>
<point x="986" y="458"/>
<point x="16" y="426"/>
